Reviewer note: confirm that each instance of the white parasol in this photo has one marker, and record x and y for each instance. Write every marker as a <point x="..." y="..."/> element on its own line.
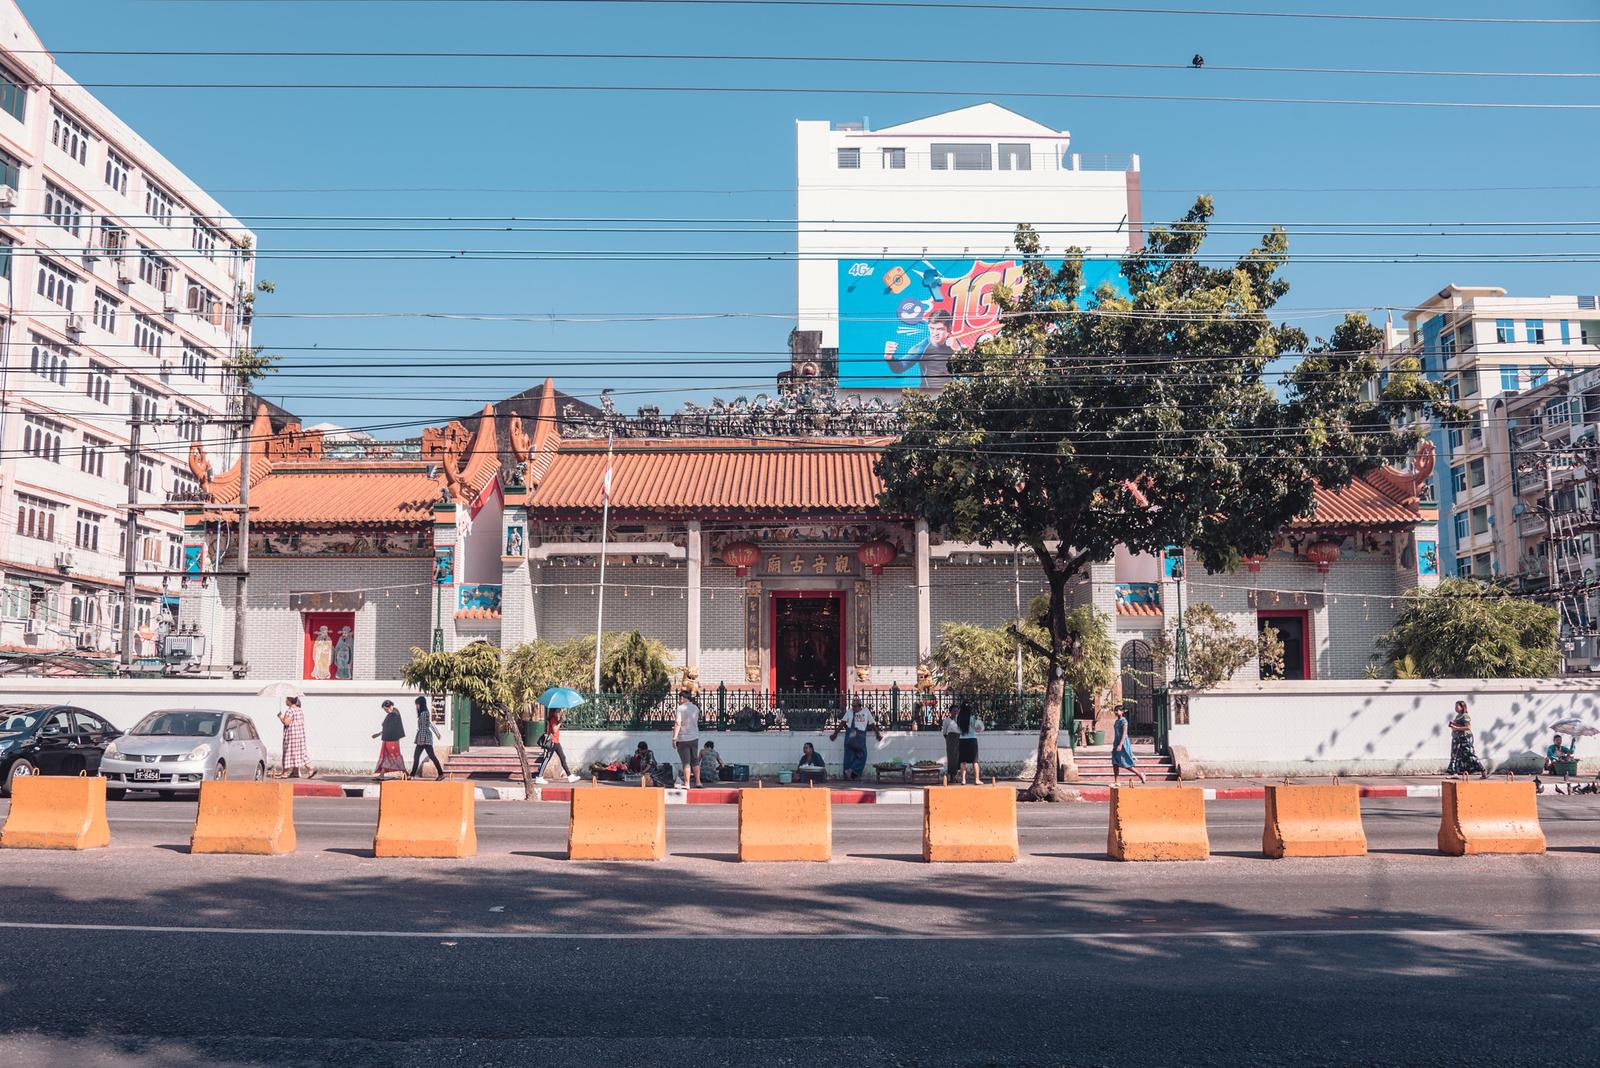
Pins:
<point x="1577" y="728"/>
<point x="279" y="690"/>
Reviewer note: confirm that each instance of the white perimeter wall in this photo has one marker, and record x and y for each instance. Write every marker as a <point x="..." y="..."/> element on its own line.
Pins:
<point x="341" y="717"/>
<point x="768" y="752"/>
<point x="1379" y="726"/>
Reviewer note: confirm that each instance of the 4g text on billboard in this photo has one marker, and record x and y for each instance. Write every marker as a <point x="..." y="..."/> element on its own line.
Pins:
<point x="900" y="320"/>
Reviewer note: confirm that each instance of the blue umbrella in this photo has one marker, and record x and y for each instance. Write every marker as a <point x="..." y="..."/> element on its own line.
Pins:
<point x="561" y="697"/>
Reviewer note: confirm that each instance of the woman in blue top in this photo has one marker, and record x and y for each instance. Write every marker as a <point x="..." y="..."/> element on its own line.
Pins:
<point x="1122" y="749"/>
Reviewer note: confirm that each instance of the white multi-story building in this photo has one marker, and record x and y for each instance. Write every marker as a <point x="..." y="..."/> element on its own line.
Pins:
<point x="904" y="232"/>
<point x="123" y="290"/>
<point x="1485" y="347"/>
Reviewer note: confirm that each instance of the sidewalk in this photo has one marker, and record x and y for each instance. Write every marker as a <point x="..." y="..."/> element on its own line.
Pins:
<point x="874" y="793"/>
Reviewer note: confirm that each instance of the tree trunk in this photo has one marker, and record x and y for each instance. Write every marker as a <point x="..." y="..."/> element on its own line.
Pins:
<point x="1043" y="787"/>
<point x="510" y="723"/>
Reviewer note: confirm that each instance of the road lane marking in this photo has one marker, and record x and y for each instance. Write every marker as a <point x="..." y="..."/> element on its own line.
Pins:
<point x="976" y="934"/>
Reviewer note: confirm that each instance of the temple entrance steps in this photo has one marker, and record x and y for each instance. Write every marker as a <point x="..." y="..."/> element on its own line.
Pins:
<point x="1094" y="763"/>
<point x="489" y="760"/>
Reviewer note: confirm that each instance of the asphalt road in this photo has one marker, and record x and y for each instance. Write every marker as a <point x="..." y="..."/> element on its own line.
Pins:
<point x="143" y="955"/>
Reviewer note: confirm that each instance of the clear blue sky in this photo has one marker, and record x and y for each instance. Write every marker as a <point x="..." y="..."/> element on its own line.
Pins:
<point x="634" y="154"/>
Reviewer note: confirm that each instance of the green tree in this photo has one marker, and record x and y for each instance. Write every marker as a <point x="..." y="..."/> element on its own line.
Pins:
<point x="1147" y="420"/>
<point x="1466" y="629"/>
<point x="478" y="673"/>
<point x="1270" y="652"/>
<point x="1217" y="648"/>
<point x="984" y="659"/>
<point x="636" y="666"/>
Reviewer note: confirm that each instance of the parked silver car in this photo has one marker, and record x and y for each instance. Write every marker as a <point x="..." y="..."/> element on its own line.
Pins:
<point x="173" y="750"/>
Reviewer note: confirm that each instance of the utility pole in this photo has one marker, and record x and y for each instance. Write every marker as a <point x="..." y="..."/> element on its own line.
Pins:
<point x="241" y="594"/>
<point x="130" y="552"/>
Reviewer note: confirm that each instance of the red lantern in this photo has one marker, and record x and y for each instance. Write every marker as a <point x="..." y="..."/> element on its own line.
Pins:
<point x="876" y="554"/>
<point x="1253" y="564"/>
<point x="1323" y="553"/>
<point x="740" y="555"/>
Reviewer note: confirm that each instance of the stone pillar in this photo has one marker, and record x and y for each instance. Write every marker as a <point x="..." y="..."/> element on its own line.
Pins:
<point x="924" y="595"/>
<point x="691" y="599"/>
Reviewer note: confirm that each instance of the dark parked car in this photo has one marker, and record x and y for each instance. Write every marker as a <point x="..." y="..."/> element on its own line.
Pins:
<point x="50" y="740"/>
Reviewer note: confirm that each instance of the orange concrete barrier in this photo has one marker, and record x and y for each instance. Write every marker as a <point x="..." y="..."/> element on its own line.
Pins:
<point x="244" y="817"/>
<point x="785" y="825"/>
<point x="969" y="824"/>
<point x="1158" y="823"/>
<point x="617" y="824"/>
<point x="1313" y="821"/>
<point x="57" y="812"/>
<point x="425" y="819"/>
<point x="1489" y="817"/>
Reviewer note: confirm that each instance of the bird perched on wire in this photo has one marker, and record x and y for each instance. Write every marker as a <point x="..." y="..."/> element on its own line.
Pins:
<point x="1198" y="61"/>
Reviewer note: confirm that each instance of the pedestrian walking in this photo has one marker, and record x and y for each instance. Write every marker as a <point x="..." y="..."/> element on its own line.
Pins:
<point x="686" y="737"/>
<point x="1463" y="757"/>
<point x="552" y="748"/>
<point x="1122" y="750"/>
<point x="392" y="732"/>
<point x="970" y="726"/>
<point x="952" y="746"/>
<point x="296" y="755"/>
<point x="856" y="723"/>
<point x="423" y="742"/>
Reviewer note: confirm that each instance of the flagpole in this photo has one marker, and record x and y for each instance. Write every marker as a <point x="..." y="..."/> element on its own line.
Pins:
<point x="605" y="520"/>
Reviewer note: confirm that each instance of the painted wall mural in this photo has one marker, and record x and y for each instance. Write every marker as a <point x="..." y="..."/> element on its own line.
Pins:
<point x="291" y="542"/>
<point x="330" y="646"/>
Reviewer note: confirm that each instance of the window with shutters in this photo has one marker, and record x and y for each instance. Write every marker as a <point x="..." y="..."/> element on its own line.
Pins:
<point x="117" y="170"/>
<point x="56" y="285"/>
<point x="48" y="360"/>
<point x="70" y="136"/>
<point x="63" y="209"/>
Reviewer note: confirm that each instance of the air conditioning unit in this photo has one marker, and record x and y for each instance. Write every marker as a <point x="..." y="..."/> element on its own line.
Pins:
<point x="171" y="313"/>
<point x="74" y="324"/>
<point x="124" y="273"/>
<point x="8" y="197"/>
<point x="32" y="626"/>
<point x="83" y="639"/>
<point x="65" y="560"/>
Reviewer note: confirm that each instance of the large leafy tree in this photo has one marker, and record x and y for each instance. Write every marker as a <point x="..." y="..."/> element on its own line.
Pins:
<point x="1466" y="629"/>
<point x="1147" y="419"/>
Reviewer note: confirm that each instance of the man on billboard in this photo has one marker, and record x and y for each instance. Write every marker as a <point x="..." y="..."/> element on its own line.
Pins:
<point x="935" y="353"/>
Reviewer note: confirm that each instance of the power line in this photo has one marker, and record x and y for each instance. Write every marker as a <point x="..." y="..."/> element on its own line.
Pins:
<point x="698" y="57"/>
<point x="957" y="5"/>
<point x="832" y="90"/>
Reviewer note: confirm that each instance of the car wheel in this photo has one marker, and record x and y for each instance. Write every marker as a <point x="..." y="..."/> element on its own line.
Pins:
<point x="115" y="793"/>
<point x="222" y="770"/>
<point x="20" y="769"/>
<point x="261" y="773"/>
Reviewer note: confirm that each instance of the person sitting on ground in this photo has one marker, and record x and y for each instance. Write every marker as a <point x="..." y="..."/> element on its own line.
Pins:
<point x="711" y="764"/>
<point x="812" y="767"/>
<point x="1556" y="753"/>
<point x="642" y="762"/>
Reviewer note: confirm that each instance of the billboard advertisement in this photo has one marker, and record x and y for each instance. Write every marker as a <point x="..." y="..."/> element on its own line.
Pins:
<point x="901" y="319"/>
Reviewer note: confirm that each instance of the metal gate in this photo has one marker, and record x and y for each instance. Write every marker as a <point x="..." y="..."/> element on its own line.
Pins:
<point x="1138" y="688"/>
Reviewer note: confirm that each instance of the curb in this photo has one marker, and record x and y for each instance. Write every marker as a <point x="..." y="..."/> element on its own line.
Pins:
<point x="680" y="796"/>
<point x="1259" y="793"/>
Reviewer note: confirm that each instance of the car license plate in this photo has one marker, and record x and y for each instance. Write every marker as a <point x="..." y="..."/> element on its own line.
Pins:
<point x="146" y="775"/>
